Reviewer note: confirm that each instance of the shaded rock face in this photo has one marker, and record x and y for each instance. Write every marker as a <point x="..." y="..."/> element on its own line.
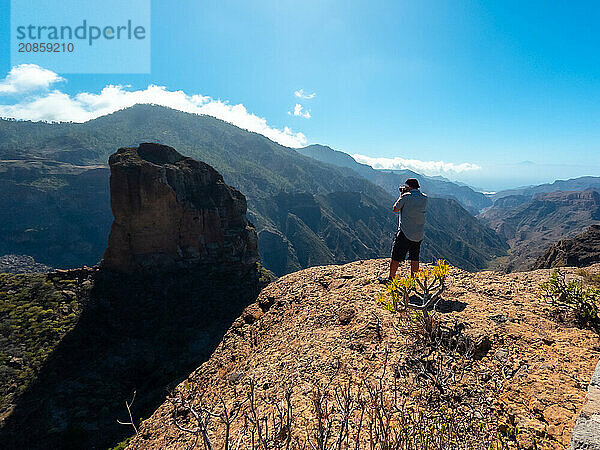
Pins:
<point x="172" y="211"/>
<point x="582" y="250"/>
<point x="137" y="332"/>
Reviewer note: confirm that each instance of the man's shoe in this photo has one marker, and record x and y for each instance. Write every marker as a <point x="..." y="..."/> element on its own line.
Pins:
<point x="384" y="280"/>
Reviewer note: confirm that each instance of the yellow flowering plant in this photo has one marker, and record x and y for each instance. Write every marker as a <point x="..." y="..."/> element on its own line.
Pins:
<point x="397" y="293"/>
<point x="441" y="269"/>
<point x="426" y="285"/>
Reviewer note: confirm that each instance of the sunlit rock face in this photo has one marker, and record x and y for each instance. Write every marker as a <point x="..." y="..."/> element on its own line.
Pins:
<point x="173" y="212"/>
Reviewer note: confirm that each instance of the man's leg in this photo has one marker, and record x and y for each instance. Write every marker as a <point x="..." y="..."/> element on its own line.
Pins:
<point x="393" y="268"/>
<point x="399" y="250"/>
<point x="414" y="267"/>
<point x="413" y="254"/>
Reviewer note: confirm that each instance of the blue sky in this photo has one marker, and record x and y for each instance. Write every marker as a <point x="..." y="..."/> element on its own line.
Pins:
<point x="490" y="84"/>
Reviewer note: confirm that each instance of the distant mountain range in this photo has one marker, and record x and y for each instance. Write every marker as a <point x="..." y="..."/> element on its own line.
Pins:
<point x="532" y="224"/>
<point x="573" y="184"/>
<point x="55" y="196"/>
<point x="390" y="180"/>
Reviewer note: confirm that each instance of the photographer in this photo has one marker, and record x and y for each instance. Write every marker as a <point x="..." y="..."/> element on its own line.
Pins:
<point x="411" y="205"/>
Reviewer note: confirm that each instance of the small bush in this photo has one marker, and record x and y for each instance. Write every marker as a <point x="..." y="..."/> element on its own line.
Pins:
<point x="122" y="445"/>
<point x="265" y="276"/>
<point x="398" y="293"/>
<point x="425" y="285"/>
<point x="573" y="295"/>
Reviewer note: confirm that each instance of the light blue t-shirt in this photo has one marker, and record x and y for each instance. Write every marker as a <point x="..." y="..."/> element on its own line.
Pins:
<point x="411" y="221"/>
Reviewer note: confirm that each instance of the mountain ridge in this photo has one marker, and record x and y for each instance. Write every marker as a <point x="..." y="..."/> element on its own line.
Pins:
<point x="263" y="170"/>
<point x="572" y="184"/>
<point x="531" y="225"/>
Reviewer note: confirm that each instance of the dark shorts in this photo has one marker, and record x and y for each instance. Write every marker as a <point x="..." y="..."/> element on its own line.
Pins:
<point x="402" y="246"/>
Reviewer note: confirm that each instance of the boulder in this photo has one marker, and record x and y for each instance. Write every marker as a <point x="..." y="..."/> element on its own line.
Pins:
<point x="171" y="212"/>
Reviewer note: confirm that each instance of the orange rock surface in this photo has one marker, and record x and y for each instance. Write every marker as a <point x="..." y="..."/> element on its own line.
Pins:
<point x="305" y="322"/>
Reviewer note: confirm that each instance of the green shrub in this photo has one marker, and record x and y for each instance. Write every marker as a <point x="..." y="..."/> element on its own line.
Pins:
<point x="122" y="445"/>
<point x="265" y="276"/>
<point x="572" y="294"/>
<point x="34" y="316"/>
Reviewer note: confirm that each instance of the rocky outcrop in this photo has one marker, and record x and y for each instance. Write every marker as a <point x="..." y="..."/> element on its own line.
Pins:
<point x="582" y="250"/>
<point x="172" y="211"/>
<point x="586" y="434"/>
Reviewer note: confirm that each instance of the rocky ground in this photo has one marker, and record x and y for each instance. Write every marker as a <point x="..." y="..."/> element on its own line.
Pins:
<point x="307" y="324"/>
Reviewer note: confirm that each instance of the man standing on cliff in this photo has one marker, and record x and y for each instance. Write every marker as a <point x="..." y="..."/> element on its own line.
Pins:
<point x="411" y="205"/>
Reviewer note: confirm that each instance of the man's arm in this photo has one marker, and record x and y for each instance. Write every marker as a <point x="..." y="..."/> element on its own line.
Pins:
<point x="399" y="204"/>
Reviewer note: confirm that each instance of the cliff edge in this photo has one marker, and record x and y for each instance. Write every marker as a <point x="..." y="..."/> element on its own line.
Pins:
<point x="316" y="353"/>
<point x="579" y="251"/>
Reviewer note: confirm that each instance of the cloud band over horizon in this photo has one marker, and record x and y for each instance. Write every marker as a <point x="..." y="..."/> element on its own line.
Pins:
<point x="430" y="168"/>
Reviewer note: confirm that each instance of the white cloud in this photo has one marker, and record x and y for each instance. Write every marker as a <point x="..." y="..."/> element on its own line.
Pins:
<point x="301" y="94"/>
<point x="26" y="78"/>
<point x="424" y="167"/>
<point x="55" y="105"/>
<point x="300" y="111"/>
